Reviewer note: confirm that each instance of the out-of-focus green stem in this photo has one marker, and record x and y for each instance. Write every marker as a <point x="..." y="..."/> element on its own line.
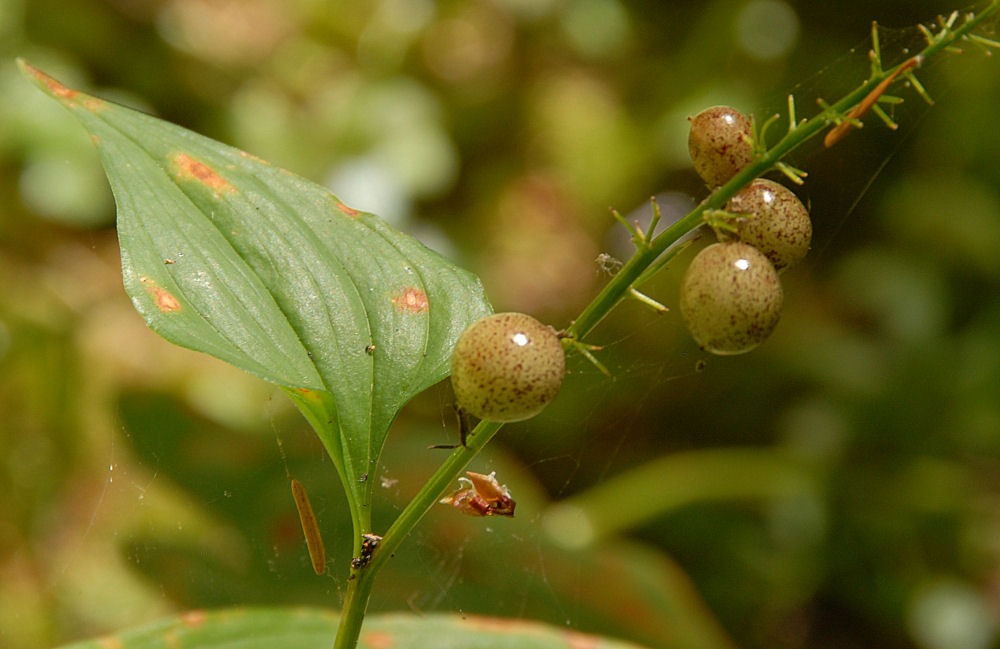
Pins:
<point x="671" y="482"/>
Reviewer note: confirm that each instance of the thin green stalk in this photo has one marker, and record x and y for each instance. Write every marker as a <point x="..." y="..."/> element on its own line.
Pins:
<point x="444" y="478"/>
<point x="442" y="481"/>
<point x="647" y="253"/>
<point x="352" y="616"/>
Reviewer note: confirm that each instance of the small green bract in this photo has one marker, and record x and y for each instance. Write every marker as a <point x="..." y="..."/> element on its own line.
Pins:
<point x="720" y="144"/>
<point x="730" y="298"/>
<point x="780" y="226"/>
<point x="507" y="367"/>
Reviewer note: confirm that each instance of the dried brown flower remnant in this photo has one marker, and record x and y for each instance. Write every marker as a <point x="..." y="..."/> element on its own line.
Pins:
<point x="483" y="496"/>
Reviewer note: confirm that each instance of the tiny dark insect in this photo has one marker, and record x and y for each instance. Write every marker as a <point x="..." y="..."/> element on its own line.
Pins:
<point x="368" y="544"/>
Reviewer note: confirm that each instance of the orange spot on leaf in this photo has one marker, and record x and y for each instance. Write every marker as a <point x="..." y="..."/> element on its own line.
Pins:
<point x="378" y="640"/>
<point x="412" y="299"/>
<point x="165" y="301"/>
<point x="110" y="642"/>
<point x="93" y="104"/>
<point x="188" y="168"/>
<point x="349" y="211"/>
<point x="306" y="394"/>
<point x="577" y="640"/>
<point x="502" y="625"/>
<point x="193" y="618"/>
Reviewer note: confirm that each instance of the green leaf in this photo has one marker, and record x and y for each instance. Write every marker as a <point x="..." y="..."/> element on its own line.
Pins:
<point x="305" y="628"/>
<point x="225" y="254"/>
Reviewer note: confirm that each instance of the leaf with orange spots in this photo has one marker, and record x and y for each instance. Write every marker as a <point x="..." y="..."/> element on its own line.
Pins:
<point x="312" y="628"/>
<point x="226" y="254"/>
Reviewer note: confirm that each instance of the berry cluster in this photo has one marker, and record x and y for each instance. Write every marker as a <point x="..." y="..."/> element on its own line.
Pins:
<point x="730" y="295"/>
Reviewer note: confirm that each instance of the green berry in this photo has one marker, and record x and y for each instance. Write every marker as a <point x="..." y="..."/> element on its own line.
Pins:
<point x="507" y="367"/>
<point x="720" y="144"/>
<point x="730" y="298"/>
<point x="780" y="226"/>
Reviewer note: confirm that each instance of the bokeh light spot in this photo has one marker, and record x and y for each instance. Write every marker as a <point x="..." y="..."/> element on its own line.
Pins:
<point x="767" y="29"/>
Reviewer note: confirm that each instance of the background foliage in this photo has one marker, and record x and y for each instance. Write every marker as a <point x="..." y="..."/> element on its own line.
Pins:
<point x="140" y="479"/>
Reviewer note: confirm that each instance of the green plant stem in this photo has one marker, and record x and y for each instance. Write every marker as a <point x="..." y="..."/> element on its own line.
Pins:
<point x="673" y="481"/>
<point x="613" y="292"/>
<point x="444" y="478"/>
<point x="352" y="615"/>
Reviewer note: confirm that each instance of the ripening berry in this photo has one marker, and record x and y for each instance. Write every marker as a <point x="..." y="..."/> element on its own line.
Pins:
<point x="507" y="367"/>
<point x="730" y="298"/>
<point x="780" y="226"/>
<point x="720" y="144"/>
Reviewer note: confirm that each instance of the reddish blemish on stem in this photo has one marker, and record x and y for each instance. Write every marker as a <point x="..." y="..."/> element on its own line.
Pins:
<point x="842" y="129"/>
<point x="306" y="393"/>
<point x="349" y="211"/>
<point x="378" y="640"/>
<point x="193" y="618"/>
<point x="188" y="168"/>
<point x="412" y="300"/>
<point x="165" y="301"/>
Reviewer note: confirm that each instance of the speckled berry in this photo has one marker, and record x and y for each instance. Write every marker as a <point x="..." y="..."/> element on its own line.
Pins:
<point x="780" y="226"/>
<point x="720" y="144"/>
<point x="730" y="298"/>
<point x="507" y="367"/>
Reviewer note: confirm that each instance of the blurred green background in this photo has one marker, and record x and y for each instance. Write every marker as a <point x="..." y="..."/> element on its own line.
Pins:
<point x="838" y="487"/>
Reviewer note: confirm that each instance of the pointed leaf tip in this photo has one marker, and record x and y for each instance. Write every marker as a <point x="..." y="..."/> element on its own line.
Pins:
<point x="45" y="82"/>
<point x="50" y="86"/>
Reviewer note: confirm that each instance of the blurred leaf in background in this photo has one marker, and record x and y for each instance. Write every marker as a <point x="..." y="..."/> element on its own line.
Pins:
<point x="499" y="132"/>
